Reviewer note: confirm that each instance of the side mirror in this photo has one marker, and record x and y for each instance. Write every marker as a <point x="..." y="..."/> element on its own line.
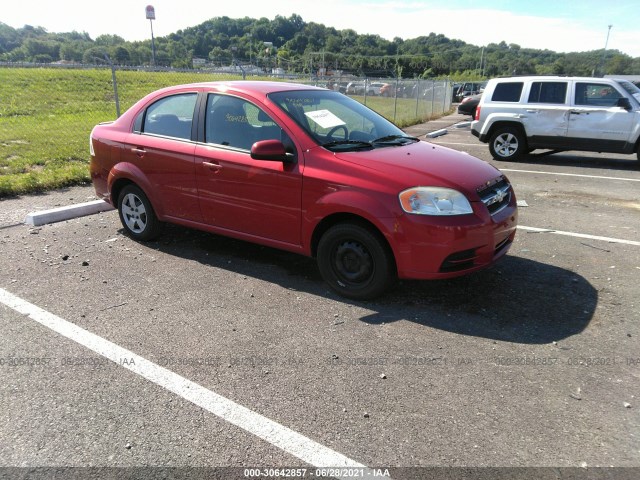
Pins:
<point x="624" y="103"/>
<point x="270" y="150"/>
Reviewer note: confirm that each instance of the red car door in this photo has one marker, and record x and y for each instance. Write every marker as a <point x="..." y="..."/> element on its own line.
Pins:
<point x="259" y="198"/>
<point x="164" y="152"/>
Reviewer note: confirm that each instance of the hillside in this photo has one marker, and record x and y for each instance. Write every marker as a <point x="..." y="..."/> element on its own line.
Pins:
<point x="297" y="46"/>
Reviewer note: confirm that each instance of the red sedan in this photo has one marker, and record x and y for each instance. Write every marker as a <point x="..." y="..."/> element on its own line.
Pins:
<point x="306" y="170"/>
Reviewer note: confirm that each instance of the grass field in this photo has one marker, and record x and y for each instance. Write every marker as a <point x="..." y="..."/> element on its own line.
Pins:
<point x="46" y="116"/>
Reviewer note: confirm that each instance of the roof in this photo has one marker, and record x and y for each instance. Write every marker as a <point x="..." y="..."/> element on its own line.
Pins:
<point x="558" y="78"/>
<point x="253" y="86"/>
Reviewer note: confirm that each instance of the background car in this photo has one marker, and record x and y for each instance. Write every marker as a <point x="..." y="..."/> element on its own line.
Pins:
<point x="375" y="88"/>
<point x="467" y="89"/>
<point x="362" y="86"/>
<point x="307" y="170"/>
<point x="455" y="88"/>
<point x="355" y="88"/>
<point x="469" y="104"/>
<point x="387" y="90"/>
<point x="518" y="115"/>
<point x="342" y="87"/>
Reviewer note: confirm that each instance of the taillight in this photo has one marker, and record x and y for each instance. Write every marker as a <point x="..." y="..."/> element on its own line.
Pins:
<point x="477" y="115"/>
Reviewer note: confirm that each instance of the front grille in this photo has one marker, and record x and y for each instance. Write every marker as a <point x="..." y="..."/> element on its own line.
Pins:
<point x="459" y="261"/>
<point x="496" y="195"/>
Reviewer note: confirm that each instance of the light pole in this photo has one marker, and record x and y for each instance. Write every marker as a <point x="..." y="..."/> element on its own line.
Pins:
<point x="151" y="16"/>
<point x="267" y="51"/>
<point x="604" y="52"/>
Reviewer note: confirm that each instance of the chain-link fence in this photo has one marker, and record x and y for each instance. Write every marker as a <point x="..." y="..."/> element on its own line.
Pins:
<point x="47" y="113"/>
<point x="403" y="101"/>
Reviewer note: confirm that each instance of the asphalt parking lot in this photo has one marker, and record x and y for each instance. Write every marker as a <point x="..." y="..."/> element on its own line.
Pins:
<point x="201" y="351"/>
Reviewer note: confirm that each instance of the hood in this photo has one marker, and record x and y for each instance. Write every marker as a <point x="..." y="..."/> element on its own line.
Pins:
<point x="426" y="164"/>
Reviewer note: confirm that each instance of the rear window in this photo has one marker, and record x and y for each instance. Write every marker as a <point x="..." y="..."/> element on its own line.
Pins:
<point x="548" y="92"/>
<point x="507" y="92"/>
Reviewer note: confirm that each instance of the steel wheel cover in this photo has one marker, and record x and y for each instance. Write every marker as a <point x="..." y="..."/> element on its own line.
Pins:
<point x="134" y="213"/>
<point x="353" y="263"/>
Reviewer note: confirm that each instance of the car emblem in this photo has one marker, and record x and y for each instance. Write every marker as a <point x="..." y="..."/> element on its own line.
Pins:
<point x="500" y="194"/>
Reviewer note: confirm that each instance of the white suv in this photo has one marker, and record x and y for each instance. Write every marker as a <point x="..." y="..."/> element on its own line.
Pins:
<point x="519" y="114"/>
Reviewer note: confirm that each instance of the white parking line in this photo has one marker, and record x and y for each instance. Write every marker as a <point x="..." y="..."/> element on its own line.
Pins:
<point x="278" y="435"/>
<point x="571" y="175"/>
<point x="545" y="173"/>
<point x="461" y="144"/>
<point x="579" y="235"/>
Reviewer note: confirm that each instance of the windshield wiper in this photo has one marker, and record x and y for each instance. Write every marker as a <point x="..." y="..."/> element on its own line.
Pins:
<point x="347" y="144"/>
<point x="395" y="139"/>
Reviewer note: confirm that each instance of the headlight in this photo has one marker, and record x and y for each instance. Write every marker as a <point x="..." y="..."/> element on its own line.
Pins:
<point x="91" y="151"/>
<point x="434" y="201"/>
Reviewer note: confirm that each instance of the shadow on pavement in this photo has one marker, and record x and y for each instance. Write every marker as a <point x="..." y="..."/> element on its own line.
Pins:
<point x="566" y="159"/>
<point x="518" y="300"/>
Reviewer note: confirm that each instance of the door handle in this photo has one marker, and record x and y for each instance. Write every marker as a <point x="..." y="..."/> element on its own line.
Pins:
<point x="532" y="111"/>
<point x="139" y="151"/>
<point x="212" y="166"/>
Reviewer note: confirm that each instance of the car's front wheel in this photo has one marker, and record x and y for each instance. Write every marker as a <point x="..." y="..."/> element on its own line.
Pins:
<point x="137" y="215"/>
<point x="507" y="143"/>
<point x="355" y="261"/>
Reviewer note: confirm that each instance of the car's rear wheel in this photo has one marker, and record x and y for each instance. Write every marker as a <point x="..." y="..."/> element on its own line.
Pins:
<point x="507" y="143"/>
<point x="355" y="261"/>
<point x="137" y="214"/>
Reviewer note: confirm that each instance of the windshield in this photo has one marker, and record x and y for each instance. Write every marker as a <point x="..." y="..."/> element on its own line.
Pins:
<point x="338" y="122"/>
<point x="631" y="88"/>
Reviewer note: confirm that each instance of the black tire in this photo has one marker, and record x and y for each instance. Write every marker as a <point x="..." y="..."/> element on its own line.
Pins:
<point x="355" y="261"/>
<point x="507" y="143"/>
<point x="137" y="214"/>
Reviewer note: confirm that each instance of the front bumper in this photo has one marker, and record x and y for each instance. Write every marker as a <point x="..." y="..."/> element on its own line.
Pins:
<point x="446" y="247"/>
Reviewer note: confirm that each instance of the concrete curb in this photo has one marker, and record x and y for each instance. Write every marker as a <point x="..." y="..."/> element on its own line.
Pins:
<point x="437" y="133"/>
<point x="65" y="213"/>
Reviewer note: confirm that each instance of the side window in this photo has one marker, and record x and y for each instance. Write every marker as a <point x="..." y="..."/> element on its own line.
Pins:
<point x="171" y="116"/>
<point x="548" y="92"/>
<point x="596" y="94"/>
<point x="264" y="128"/>
<point x="507" y="92"/>
<point x="234" y="122"/>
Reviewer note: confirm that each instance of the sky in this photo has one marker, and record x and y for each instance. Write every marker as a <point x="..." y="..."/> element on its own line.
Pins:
<point x="558" y="25"/>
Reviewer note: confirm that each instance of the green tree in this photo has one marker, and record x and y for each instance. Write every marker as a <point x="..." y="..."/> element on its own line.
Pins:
<point x="73" y="51"/>
<point x="619" y="65"/>
<point x="121" y="55"/>
<point x="108" y="40"/>
<point x="42" y="49"/>
<point x="94" y="55"/>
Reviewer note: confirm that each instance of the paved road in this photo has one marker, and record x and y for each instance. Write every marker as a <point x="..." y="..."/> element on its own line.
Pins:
<point x="201" y="351"/>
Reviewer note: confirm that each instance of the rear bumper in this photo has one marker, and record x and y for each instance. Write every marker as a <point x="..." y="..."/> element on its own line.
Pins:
<point x="475" y="131"/>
